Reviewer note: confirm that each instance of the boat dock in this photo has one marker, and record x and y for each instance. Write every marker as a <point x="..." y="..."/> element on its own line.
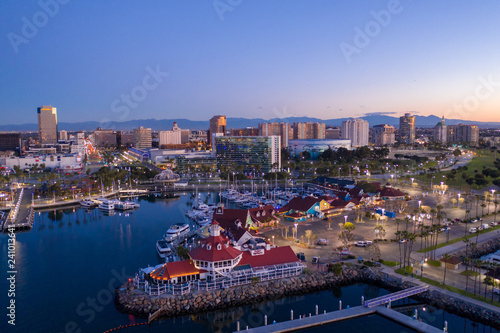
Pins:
<point x="22" y="214"/>
<point x="331" y="317"/>
<point x="373" y="306"/>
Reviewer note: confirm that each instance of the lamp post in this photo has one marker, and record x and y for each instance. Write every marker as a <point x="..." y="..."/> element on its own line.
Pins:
<point x="295" y="239"/>
<point x="458" y="203"/>
<point x="345" y="219"/>
<point x="419" y="203"/>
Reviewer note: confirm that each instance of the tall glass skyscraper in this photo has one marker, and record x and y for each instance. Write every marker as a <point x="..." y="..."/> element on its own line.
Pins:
<point x="254" y="153"/>
<point x="47" y="125"/>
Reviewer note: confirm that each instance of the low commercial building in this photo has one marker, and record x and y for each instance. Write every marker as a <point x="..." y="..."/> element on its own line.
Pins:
<point x="316" y="147"/>
<point x="60" y="162"/>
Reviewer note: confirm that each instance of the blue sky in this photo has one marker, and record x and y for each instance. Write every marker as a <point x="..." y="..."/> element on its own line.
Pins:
<point x="254" y="59"/>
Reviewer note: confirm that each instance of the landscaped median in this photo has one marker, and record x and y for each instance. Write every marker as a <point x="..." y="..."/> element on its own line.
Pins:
<point x="456" y="240"/>
<point x="409" y="270"/>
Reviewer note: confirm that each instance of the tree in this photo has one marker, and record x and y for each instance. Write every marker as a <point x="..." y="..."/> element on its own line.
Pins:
<point x="308" y="234"/>
<point x="373" y="252"/>
<point x="346" y="236"/>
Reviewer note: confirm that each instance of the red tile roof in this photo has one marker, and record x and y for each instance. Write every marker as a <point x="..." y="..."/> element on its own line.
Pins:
<point x="274" y="256"/>
<point x="388" y="191"/>
<point x="300" y="204"/>
<point x="209" y="250"/>
<point x="175" y="269"/>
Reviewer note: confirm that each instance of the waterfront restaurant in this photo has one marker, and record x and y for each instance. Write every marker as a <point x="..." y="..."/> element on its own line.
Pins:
<point x="217" y="264"/>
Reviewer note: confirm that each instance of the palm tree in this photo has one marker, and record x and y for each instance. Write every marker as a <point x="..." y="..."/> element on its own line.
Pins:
<point x="483" y="206"/>
<point x="466" y="261"/>
<point x="496" y="204"/>
<point x="446" y="257"/>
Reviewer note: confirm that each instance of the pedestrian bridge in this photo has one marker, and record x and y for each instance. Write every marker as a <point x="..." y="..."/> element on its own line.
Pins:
<point x="396" y="296"/>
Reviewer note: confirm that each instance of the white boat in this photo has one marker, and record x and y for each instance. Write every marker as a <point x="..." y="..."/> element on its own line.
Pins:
<point x="107" y="205"/>
<point x="88" y="203"/>
<point x="176" y="230"/>
<point x="100" y="200"/>
<point x="126" y="205"/>
<point x="163" y="248"/>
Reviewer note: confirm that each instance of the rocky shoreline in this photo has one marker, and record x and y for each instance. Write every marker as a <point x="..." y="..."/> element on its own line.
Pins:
<point x="481" y="249"/>
<point x="130" y="300"/>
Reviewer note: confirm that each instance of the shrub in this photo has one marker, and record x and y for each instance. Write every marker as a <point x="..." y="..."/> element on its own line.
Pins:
<point x="335" y="268"/>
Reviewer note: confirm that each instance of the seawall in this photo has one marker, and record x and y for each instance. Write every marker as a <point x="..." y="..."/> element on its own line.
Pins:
<point x="128" y="299"/>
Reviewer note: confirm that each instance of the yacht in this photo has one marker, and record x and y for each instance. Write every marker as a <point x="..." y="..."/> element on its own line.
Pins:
<point x="126" y="205"/>
<point x="177" y="230"/>
<point x="163" y="248"/>
<point x="107" y="205"/>
<point x="88" y="203"/>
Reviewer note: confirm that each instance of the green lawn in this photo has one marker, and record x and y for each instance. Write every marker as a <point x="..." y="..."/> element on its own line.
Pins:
<point x="470" y="273"/>
<point x="483" y="159"/>
<point x="434" y="263"/>
<point x="449" y="288"/>
<point x="390" y="263"/>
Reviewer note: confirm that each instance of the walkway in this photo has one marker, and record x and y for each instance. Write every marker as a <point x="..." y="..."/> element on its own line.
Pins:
<point x="396" y="296"/>
<point x="331" y="317"/>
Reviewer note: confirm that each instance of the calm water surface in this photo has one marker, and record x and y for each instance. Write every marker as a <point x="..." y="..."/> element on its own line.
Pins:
<point x="70" y="262"/>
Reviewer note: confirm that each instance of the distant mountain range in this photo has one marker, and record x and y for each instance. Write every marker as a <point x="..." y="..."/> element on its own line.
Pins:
<point x="166" y="124"/>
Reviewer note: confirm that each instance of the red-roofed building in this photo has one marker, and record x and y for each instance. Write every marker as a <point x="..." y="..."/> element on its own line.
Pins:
<point x="217" y="263"/>
<point x="390" y="193"/>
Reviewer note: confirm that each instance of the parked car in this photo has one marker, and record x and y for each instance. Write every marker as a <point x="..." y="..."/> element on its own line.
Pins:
<point x="493" y="224"/>
<point x="363" y="243"/>
<point x="496" y="291"/>
<point x="472" y="230"/>
<point x="458" y="220"/>
<point x="474" y="220"/>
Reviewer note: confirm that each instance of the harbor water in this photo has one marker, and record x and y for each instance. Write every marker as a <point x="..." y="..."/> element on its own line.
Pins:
<point x="69" y="264"/>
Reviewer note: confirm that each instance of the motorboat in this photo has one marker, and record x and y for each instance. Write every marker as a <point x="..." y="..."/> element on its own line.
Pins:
<point x="176" y="230"/>
<point x="163" y="248"/>
<point x="107" y="205"/>
<point x="88" y="203"/>
<point x="126" y="205"/>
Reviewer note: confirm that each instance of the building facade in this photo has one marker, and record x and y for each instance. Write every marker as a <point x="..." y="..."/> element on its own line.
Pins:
<point x="316" y="147"/>
<point x="252" y="152"/>
<point x="249" y="131"/>
<point x="440" y="132"/>
<point x="63" y="135"/>
<point x="356" y="130"/>
<point x="407" y="129"/>
<point x="308" y="131"/>
<point x="217" y="127"/>
<point x="468" y="134"/>
<point x="284" y="130"/>
<point x="47" y="125"/>
<point x="105" y="138"/>
<point x="383" y="135"/>
<point x="142" y="138"/>
<point x="10" y="141"/>
<point x="173" y="137"/>
<point x="332" y="133"/>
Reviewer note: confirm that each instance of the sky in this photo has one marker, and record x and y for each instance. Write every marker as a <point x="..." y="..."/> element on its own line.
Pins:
<point x="124" y="60"/>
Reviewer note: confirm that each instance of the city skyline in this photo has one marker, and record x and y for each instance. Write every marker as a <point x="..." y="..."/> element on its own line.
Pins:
<point x="326" y="60"/>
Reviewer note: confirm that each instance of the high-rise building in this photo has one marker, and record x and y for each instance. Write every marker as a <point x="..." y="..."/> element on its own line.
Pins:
<point x="105" y="138"/>
<point x="407" y="129"/>
<point x="309" y="130"/>
<point x="440" y="132"/>
<point x="249" y="131"/>
<point x="10" y="141"/>
<point x="254" y="153"/>
<point x="63" y="135"/>
<point x="332" y="133"/>
<point x="383" y="135"/>
<point x="356" y="130"/>
<point x="217" y="126"/>
<point x="142" y="138"/>
<point x="47" y="125"/>
<point x="284" y="130"/>
<point x="173" y="137"/>
<point x="463" y="133"/>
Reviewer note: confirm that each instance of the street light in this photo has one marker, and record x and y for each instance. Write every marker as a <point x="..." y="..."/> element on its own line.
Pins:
<point x="295" y="240"/>
<point x="419" y="203"/>
<point x="345" y="219"/>
<point x="458" y="203"/>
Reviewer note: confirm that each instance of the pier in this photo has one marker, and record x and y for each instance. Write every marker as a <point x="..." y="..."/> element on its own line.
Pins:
<point x="331" y="317"/>
<point x="22" y="214"/>
<point x="387" y="299"/>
